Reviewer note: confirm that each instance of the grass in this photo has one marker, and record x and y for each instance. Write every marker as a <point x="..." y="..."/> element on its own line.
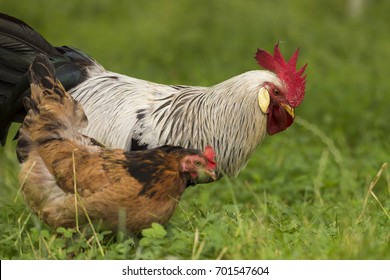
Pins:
<point x="320" y="190"/>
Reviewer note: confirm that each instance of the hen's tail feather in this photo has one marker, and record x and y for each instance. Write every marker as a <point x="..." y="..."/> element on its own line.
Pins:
<point x="19" y="44"/>
<point x="52" y="113"/>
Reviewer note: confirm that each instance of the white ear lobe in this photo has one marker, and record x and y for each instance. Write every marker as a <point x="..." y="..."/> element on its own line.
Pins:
<point x="263" y="99"/>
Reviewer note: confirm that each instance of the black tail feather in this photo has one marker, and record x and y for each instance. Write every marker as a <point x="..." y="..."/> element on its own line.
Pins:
<point x="17" y="36"/>
<point x="19" y="45"/>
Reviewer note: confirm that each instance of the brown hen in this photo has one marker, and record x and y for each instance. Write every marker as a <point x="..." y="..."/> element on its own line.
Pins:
<point x="67" y="177"/>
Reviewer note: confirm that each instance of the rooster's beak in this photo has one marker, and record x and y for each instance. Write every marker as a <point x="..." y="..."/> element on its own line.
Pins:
<point x="289" y="109"/>
<point x="263" y="99"/>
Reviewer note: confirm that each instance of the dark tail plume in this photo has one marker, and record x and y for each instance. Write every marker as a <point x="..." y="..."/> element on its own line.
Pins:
<point x="19" y="45"/>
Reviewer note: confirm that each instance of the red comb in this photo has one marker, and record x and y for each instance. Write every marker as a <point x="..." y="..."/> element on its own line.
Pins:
<point x="209" y="154"/>
<point x="286" y="71"/>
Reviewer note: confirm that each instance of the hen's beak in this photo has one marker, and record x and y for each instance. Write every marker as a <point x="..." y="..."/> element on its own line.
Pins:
<point x="263" y="99"/>
<point x="289" y="109"/>
<point x="211" y="173"/>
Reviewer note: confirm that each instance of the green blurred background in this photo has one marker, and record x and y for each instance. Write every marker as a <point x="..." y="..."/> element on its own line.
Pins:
<point x="345" y="42"/>
<point x="324" y="161"/>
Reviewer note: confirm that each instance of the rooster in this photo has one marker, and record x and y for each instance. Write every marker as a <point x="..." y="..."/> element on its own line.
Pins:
<point x="66" y="179"/>
<point x="129" y="113"/>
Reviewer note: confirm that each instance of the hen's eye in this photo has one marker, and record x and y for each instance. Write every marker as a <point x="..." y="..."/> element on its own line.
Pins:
<point x="197" y="162"/>
<point x="276" y="91"/>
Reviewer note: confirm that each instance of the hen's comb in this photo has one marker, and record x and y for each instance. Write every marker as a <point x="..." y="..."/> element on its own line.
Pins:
<point x="209" y="154"/>
<point x="286" y="71"/>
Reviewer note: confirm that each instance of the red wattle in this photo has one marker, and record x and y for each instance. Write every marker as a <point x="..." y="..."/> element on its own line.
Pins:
<point x="278" y="119"/>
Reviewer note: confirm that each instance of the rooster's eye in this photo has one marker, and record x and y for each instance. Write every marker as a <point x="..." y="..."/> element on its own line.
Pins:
<point x="276" y="91"/>
<point x="197" y="162"/>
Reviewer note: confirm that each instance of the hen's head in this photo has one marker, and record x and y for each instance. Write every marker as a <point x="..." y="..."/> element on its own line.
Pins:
<point x="279" y="101"/>
<point x="200" y="165"/>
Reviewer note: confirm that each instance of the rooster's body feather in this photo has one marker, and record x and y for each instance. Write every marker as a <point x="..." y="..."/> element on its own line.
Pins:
<point x="175" y="115"/>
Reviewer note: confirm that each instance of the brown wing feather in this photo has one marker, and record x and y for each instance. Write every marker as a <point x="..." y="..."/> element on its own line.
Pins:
<point x="52" y="112"/>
